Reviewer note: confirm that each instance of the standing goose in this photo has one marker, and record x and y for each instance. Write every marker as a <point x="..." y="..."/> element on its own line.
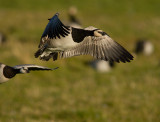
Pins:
<point x="8" y="72"/>
<point x="73" y="20"/>
<point x="144" y="46"/>
<point x="102" y="66"/>
<point x="69" y="41"/>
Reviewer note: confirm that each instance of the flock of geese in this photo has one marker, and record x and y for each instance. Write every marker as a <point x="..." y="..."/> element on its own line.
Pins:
<point x="62" y="41"/>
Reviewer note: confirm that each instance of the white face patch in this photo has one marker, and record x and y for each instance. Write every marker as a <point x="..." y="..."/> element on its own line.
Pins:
<point x="2" y="77"/>
<point x="96" y="33"/>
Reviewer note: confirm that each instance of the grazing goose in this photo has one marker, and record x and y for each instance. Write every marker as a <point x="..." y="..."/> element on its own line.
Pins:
<point x="144" y="46"/>
<point x="74" y="21"/>
<point x="69" y="41"/>
<point x="8" y="72"/>
<point x="102" y="66"/>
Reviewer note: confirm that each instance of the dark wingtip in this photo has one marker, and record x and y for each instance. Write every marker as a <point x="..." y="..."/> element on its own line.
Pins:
<point x="57" y="14"/>
<point x="54" y="68"/>
<point x="129" y="59"/>
<point x="36" y="55"/>
<point x="126" y="57"/>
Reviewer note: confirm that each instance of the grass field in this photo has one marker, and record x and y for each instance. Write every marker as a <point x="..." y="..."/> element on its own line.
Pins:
<point x="75" y="92"/>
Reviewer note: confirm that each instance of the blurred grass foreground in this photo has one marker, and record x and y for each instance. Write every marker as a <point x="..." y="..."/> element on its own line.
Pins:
<point x="75" y="92"/>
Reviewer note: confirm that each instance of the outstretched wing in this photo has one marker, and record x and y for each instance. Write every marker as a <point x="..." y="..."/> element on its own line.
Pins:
<point x="55" y="28"/>
<point x="33" y="67"/>
<point x="102" y="47"/>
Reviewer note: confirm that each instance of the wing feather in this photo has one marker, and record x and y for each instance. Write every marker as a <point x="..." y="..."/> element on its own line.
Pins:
<point x="100" y="48"/>
<point x="55" y="28"/>
<point x="33" y="67"/>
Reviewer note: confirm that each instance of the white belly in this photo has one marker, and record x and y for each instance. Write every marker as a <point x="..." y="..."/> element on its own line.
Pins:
<point x="63" y="43"/>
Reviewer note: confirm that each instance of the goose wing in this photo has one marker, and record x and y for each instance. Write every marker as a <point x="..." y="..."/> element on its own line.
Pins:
<point x="103" y="47"/>
<point x="33" y="67"/>
<point x="54" y="29"/>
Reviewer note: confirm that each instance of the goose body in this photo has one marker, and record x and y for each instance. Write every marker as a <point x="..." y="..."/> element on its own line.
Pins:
<point x="68" y="41"/>
<point x="144" y="46"/>
<point x="8" y="72"/>
<point x="102" y="66"/>
<point x="63" y="43"/>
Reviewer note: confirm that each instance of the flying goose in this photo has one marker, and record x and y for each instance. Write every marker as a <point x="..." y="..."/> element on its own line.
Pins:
<point x="68" y="41"/>
<point x="8" y="72"/>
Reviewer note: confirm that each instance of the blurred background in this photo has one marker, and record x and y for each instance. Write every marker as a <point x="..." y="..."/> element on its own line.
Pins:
<point x="128" y="92"/>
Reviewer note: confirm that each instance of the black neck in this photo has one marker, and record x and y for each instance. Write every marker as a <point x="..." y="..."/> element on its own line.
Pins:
<point x="79" y="34"/>
<point x="89" y="32"/>
<point x="10" y="72"/>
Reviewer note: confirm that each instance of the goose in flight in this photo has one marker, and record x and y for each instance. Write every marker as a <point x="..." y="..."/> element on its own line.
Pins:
<point x="66" y="41"/>
<point x="8" y="72"/>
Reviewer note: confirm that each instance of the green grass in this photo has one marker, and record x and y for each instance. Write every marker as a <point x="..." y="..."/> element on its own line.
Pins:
<point x="75" y="92"/>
